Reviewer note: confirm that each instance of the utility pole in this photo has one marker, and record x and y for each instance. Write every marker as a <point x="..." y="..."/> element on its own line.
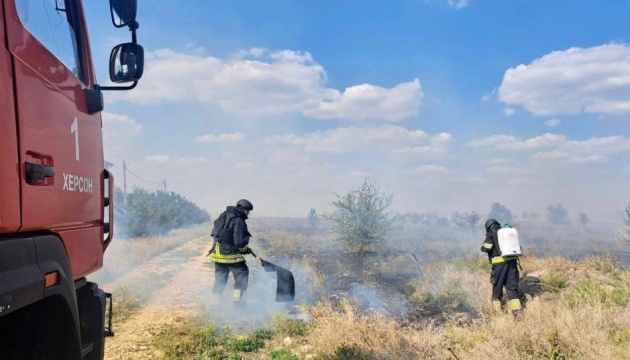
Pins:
<point x="125" y="182"/>
<point x="164" y="182"/>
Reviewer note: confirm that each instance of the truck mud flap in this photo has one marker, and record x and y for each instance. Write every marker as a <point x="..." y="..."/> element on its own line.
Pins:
<point x="110" y="312"/>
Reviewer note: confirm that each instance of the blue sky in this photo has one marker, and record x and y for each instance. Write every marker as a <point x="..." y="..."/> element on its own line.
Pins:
<point x="451" y="104"/>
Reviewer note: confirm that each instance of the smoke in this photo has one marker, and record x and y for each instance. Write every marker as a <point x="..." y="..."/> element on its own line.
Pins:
<point x="425" y="273"/>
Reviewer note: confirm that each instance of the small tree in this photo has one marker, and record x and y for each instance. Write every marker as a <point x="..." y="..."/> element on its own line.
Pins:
<point x="557" y="214"/>
<point x="465" y="219"/>
<point x="625" y="231"/>
<point x="361" y="216"/>
<point x="583" y="219"/>
<point x="313" y="220"/>
<point x="501" y="213"/>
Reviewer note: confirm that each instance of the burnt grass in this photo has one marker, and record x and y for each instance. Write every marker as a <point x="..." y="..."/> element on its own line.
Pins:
<point x="377" y="282"/>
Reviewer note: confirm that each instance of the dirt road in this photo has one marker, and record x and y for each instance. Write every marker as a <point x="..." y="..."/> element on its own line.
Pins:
<point x="182" y="281"/>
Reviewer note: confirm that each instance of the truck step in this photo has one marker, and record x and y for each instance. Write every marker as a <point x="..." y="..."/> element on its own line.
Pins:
<point x="87" y="348"/>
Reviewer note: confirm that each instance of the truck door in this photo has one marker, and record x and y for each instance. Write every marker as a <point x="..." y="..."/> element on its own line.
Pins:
<point x="9" y="174"/>
<point x="60" y="144"/>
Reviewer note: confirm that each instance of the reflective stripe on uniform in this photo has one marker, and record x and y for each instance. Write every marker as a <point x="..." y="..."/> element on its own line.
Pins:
<point x="216" y="256"/>
<point x="243" y="249"/>
<point x="497" y="304"/>
<point x="515" y="304"/>
<point x="488" y="246"/>
<point x="502" y="259"/>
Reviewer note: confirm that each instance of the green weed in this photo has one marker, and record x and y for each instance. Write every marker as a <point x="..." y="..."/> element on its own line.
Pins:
<point x="553" y="282"/>
<point x="195" y="341"/>
<point x="620" y="297"/>
<point x="283" y="354"/>
<point x="586" y="293"/>
<point x="349" y="352"/>
<point x="282" y="325"/>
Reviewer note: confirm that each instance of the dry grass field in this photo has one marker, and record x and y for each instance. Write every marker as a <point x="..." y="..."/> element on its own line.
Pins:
<point x="392" y="304"/>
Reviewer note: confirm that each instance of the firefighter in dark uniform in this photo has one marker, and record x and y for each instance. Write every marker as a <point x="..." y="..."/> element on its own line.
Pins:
<point x="230" y="243"/>
<point x="504" y="270"/>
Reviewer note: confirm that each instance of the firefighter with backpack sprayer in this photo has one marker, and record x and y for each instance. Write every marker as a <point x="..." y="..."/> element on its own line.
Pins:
<point x="230" y="243"/>
<point x="504" y="269"/>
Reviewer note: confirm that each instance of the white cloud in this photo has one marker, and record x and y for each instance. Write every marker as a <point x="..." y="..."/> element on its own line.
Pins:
<point x="507" y="170"/>
<point x="453" y="4"/>
<point x="118" y="125"/>
<point x="158" y="158"/>
<point x="509" y="112"/>
<point x="260" y="82"/>
<point x="221" y="138"/>
<point x="550" y="156"/>
<point x="391" y="139"/>
<point x="371" y="102"/>
<point x="431" y="169"/>
<point x="489" y="96"/>
<point x="195" y="48"/>
<point x="557" y="147"/>
<point x="497" y="162"/>
<point x="509" y="142"/>
<point x="288" y="156"/>
<point x="457" y="4"/>
<point x="591" y="80"/>
<point x="552" y="123"/>
<point x="120" y="134"/>
<point x="600" y="146"/>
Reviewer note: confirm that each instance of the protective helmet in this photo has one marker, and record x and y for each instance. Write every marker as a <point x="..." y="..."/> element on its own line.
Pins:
<point x="491" y="222"/>
<point x="245" y="205"/>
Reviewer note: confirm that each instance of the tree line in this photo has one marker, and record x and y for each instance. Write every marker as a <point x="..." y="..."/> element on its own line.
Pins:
<point x="146" y="213"/>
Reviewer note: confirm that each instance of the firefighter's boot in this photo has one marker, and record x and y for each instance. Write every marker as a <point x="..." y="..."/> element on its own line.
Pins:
<point x="498" y="307"/>
<point x="516" y="307"/>
<point x="238" y="296"/>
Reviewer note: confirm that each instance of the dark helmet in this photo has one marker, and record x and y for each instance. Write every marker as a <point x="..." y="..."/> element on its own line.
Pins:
<point x="245" y="205"/>
<point x="491" y="222"/>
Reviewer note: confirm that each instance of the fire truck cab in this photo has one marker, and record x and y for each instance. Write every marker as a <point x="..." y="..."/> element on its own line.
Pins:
<point x="56" y="213"/>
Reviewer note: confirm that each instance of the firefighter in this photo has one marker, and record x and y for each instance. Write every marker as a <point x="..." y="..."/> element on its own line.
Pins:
<point x="504" y="270"/>
<point x="230" y="243"/>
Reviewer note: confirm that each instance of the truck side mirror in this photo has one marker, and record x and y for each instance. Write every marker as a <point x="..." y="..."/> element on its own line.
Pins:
<point x="126" y="63"/>
<point x="123" y="12"/>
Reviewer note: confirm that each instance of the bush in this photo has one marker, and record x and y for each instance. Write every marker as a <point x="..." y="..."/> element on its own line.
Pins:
<point x="501" y="213"/>
<point x="557" y="214"/>
<point x="349" y="352"/>
<point x="587" y="292"/>
<point x="361" y="216"/>
<point x="153" y="213"/>
<point x="284" y="326"/>
<point x="283" y="354"/>
<point x="553" y="282"/>
<point x="465" y="219"/>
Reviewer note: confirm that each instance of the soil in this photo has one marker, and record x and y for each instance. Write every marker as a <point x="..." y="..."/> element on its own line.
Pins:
<point x="178" y="299"/>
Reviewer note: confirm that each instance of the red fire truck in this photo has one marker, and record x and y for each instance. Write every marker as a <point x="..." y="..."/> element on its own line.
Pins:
<point x="56" y="212"/>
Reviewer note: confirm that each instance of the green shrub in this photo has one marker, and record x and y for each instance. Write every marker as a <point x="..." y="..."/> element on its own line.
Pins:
<point x="586" y="293"/>
<point x="207" y="342"/>
<point x="284" y="326"/>
<point x="361" y="217"/>
<point x="553" y="282"/>
<point x="155" y="212"/>
<point x="283" y="354"/>
<point x="620" y="297"/>
<point x="349" y="352"/>
<point x="246" y="344"/>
